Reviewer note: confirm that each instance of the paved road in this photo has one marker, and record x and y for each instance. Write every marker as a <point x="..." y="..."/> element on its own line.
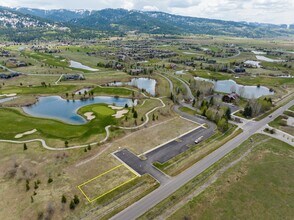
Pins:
<point x="161" y="154"/>
<point x="189" y="92"/>
<point x="146" y="203"/>
<point x="141" y="166"/>
<point x="279" y="134"/>
<point x="178" y="146"/>
<point x="167" y="151"/>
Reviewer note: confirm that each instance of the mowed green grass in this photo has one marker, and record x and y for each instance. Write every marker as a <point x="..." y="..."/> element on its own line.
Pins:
<point x="259" y="187"/>
<point x="16" y="122"/>
<point x="63" y="89"/>
<point x="188" y="110"/>
<point x="47" y="59"/>
<point x="112" y="91"/>
<point x="39" y="89"/>
<point x="97" y="109"/>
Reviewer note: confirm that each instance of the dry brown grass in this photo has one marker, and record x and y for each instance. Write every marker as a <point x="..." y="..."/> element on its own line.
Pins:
<point x="36" y="163"/>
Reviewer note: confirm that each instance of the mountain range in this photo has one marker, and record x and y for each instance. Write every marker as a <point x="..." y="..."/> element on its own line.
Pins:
<point x="120" y="21"/>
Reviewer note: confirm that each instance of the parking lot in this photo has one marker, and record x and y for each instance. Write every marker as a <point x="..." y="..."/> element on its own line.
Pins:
<point x="162" y="154"/>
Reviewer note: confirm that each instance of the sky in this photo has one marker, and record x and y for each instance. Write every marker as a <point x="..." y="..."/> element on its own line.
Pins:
<point x="265" y="11"/>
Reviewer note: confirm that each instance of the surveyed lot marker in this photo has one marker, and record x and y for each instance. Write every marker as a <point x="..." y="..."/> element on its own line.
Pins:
<point x="119" y="175"/>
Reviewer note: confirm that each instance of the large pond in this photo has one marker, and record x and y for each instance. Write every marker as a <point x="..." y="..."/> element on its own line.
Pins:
<point x="78" y="65"/>
<point x="147" y="84"/>
<point x="54" y="107"/>
<point x="229" y="86"/>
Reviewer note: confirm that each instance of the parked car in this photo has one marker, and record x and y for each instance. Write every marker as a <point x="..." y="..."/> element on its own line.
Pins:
<point x="198" y="140"/>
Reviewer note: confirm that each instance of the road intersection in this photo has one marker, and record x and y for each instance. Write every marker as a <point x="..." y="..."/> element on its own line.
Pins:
<point x="172" y="184"/>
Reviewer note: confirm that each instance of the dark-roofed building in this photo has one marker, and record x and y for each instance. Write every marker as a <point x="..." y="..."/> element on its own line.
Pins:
<point x="73" y="77"/>
<point x="9" y="75"/>
<point x="230" y="97"/>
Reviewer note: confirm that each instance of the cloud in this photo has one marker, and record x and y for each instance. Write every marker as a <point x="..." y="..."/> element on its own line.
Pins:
<point x="150" y="8"/>
<point x="271" y="11"/>
<point x="183" y="3"/>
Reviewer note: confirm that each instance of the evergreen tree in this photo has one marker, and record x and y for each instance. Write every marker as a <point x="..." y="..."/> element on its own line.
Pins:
<point x="211" y="101"/>
<point x="50" y="180"/>
<point x="72" y="205"/>
<point x="76" y="199"/>
<point x="171" y="96"/>
<point x="135" y="115"/>
<point x="63" y="199"/>
<point x="247" y="111"/>
<point x="27" y="185"/>
<point x="228" y="113"/>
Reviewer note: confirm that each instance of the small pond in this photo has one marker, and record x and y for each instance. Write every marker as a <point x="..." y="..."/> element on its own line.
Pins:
<point x="229" y="86"/>
<point x="78" y="65"/>
<point x="54" y="107"/>
<point x="141" y="83"/>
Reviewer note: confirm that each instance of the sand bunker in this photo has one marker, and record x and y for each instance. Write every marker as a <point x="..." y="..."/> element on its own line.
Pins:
<point x="121" y="113"/>
<point x="115" y="107"/>
<point x="8" y="95"/>
<point x="25" y="133"/>
<point x="89" y="116"/>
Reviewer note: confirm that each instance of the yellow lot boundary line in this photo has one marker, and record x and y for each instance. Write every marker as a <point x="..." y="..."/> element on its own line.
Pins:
<point x="85" y="183"/>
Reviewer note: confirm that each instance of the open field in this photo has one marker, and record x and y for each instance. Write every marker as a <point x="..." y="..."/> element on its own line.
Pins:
<point x="40" y="90"/>
<point x="19" y="165"/>
<point x="27" y="80"/>
<point x="105" y="183"/>
<point x="183" y="203"/>
<point x="259" y="187"/>
<point x="34" y="179"/>
<point x="160" y="132"/>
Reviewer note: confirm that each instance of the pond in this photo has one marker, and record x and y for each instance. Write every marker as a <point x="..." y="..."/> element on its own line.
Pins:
<point x="54" y="107"/>
<point x="78" y="65"/>
<point x="141" y="83"/>
<point x="229" y="86"/>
